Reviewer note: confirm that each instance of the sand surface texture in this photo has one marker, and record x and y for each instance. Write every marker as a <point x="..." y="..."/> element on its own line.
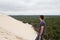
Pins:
<point x="12" y="29"/>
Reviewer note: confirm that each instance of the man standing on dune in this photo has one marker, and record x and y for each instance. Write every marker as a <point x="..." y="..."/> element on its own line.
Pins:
<point x="41" y="28"/>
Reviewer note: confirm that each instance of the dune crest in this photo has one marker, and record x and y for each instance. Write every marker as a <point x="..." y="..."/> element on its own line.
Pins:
<point x="18" y="28"/>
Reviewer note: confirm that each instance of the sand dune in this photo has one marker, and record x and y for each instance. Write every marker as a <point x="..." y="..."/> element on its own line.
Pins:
<point x="17" y="28"/>
<point x="5" y="35"/>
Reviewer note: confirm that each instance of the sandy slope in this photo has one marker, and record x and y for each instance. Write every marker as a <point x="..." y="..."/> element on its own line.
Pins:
<point x="5" y="35"/>
<point x="17" y="28"/>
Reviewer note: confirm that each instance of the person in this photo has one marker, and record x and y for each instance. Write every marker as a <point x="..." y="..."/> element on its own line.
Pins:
<point x="41" y="28"/>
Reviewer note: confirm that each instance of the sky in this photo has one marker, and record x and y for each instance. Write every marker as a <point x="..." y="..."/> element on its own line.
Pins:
<point x="30" y="7"/>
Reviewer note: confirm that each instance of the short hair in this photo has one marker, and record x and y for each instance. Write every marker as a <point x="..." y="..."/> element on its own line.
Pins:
<point x="42" y="17"/>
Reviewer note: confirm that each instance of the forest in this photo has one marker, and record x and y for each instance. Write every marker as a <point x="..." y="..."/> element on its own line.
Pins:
<point x="52" y="24"/>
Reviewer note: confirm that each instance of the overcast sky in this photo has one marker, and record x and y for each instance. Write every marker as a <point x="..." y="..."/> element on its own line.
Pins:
<point x="30" y="7"/>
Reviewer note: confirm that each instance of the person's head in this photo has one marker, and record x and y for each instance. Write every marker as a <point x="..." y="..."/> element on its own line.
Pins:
<point x="41" y="17"/>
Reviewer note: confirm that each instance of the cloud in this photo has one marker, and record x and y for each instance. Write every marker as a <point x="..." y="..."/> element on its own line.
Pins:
<point x="30" y="6"/>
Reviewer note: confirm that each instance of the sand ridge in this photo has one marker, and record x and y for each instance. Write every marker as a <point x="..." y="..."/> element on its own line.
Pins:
<point x="18" y="28"/>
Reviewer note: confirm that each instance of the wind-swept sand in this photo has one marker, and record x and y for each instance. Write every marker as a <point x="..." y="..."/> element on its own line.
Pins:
<point x="16" y="29"/>
<point x="5" y="35"/>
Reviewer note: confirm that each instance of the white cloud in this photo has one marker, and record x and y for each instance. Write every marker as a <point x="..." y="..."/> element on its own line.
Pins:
<point x="35" y="7"/>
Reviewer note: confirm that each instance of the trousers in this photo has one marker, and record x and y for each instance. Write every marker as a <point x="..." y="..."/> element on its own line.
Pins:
<point x="37" y="38"/>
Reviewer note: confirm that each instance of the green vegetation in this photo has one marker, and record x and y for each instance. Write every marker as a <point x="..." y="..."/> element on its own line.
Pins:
<point x="52" y="25"/>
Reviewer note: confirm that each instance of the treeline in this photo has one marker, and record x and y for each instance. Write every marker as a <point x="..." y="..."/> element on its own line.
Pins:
<point x="52" y="25"/>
